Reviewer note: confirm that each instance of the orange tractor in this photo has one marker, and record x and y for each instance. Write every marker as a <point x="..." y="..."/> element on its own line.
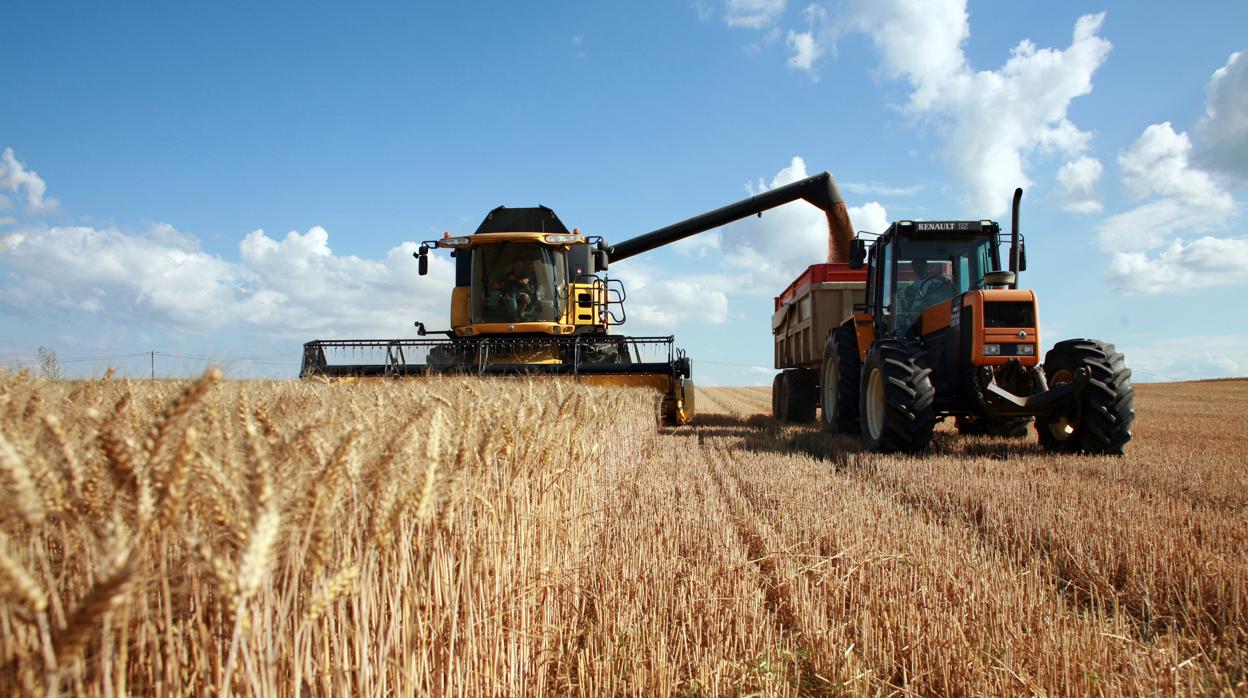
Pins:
<point x="928" y="324"/>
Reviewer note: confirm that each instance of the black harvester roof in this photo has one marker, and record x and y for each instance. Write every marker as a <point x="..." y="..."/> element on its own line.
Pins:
<point x="538" y="219"/>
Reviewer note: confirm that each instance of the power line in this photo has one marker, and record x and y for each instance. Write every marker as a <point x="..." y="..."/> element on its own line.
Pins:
<point x="152" y="355"/>
<point x="260" y="362"/>
<point x="82" y="359"/>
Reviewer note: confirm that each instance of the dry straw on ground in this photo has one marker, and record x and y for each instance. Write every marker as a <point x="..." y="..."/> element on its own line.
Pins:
<point x="522" y="538"/>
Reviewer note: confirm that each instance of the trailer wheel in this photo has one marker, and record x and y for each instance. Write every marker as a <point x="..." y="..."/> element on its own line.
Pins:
<point x="1100" y="422"/>
<point x="799" y="396"/>
<point x="1012" y="427"/>
<point x="897" y="405"/>
<point x="777" y="388"/>
<point x="842" y="372"/>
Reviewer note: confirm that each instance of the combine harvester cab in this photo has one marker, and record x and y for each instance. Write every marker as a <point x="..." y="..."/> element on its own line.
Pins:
<point x="531" y="298"/>
<point x="528" y="301"/>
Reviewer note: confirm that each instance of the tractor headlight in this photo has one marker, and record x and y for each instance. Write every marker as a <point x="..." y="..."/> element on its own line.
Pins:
<point x="992" y="350"/>
<point x="453" y="242"/>
<point x="561" y="239"/>
<point x="1026" y="350"/>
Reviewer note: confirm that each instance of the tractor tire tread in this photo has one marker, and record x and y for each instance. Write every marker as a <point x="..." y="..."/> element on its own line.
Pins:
<point x="1108" y="404"/>
<point x="842" y="345"/>
<point x="908" y="395"/>
<point x="799" y="397"/>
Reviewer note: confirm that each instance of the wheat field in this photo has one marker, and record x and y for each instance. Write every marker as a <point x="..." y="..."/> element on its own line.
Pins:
<point x="488" y="538"/>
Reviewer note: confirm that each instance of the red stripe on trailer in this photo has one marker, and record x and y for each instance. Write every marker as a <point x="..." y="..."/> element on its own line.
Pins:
<point x="820" y="273"/>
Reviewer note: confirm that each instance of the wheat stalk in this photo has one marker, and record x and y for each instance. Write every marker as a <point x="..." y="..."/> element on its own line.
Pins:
<point x="18" y="474"/>
<point x="21" y="584"/>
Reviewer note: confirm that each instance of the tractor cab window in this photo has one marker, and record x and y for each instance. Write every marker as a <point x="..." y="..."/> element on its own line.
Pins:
<point x="518" y="282"/>
<point x="931" y="271"/>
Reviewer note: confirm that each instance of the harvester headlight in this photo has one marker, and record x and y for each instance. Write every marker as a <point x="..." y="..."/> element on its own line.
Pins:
<point x="1026" y="350"/>
<point x="561" y="239"/>
<point x="992" y="350"/>
<point x="453" y="242"/>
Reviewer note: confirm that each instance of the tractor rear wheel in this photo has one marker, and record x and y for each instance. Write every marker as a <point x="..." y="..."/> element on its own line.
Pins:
<point x="799" y="397"/>
<point x="1013" y="427"/>
<point x="842" y="372"/>
<point x="897" y="406"/>
<point x="1100" y="421"/>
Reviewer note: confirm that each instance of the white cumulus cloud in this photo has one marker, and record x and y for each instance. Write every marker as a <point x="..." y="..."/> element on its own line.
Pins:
<point x="869" y="217"/>
<point x="162" y="279"/>
<point x="807" y="47"/>
<point x="23" y="182"/>
<point x="665" y="304"/>
<point x="752" y="14"/>
<point x="1202" y="263"/>
<point x="1223" y="130"/>
<point x="1079" y="180"/>
<point x="805" y="50"/>
<point x="1180" y="198"/>
<point x="991" y="122"/>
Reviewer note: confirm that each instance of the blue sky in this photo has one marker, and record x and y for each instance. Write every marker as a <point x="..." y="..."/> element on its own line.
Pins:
<point x="227" y="180"/>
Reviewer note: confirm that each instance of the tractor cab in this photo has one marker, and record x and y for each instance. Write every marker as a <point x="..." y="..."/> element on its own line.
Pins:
<point x="918" y="265"/>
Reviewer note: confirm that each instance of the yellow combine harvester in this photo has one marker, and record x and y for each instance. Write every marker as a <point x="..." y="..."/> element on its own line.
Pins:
<point x="532" y="298"/>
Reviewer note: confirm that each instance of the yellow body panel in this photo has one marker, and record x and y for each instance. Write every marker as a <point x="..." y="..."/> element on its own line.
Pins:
<point x="586" y="305"/>
<point x="502" y="329"/>
<point x="461" y="306"/>
<point x="495" y="238"/>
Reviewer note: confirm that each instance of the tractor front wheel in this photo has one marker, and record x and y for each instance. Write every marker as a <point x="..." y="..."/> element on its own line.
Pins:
<point x="1099" y="422"/>
<point x="897" y="403"/>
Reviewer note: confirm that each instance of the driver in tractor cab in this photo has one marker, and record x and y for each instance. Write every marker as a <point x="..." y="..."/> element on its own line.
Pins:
<point x="931" y="285"/>
<point x="519" y="289"/>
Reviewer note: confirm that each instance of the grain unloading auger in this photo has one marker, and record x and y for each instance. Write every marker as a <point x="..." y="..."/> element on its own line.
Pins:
<point x="532" y="298"/>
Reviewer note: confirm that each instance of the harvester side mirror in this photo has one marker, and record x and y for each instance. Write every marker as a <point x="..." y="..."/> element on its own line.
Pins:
<point x="857" y="253"/>
<point x="422" y="260"/>
<point x="601" y="260"/>
<point x="1022" y="257"/>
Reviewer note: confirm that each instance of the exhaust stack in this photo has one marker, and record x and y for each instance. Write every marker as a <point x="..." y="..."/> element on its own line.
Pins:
<point x="1014" y="239"/>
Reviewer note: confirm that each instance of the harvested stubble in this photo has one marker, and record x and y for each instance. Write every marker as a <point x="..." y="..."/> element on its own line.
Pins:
<point x="511" y="538"/>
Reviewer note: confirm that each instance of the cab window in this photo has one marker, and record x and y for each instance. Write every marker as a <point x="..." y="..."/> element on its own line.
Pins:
<point x="518" y="283"/>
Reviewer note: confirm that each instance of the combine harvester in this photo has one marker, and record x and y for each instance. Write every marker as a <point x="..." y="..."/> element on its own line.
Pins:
<point x="933" y="327"/>
<point x="532" y="298"/>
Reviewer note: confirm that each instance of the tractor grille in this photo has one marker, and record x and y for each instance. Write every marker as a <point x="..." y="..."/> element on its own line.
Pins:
<point x="1010" y="314"/>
